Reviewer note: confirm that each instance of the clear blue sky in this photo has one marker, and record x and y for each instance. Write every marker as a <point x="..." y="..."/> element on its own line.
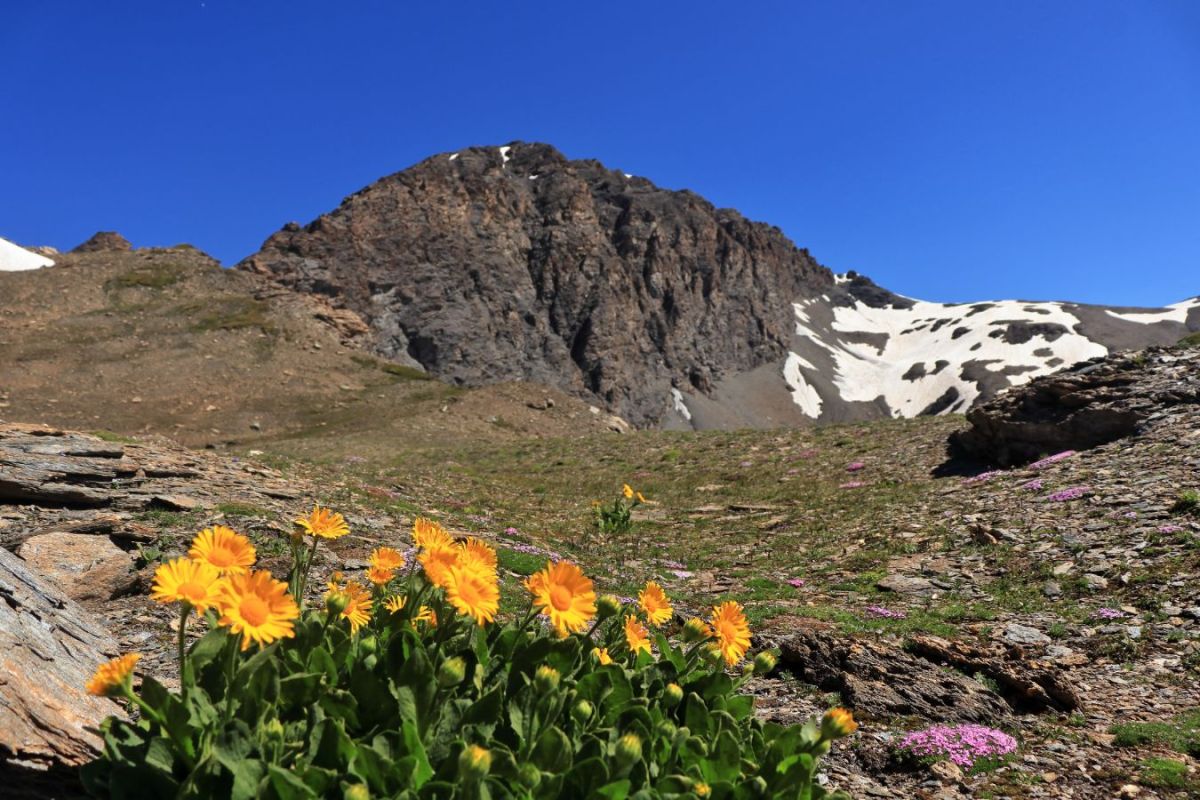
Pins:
<point x="951" y="150"/>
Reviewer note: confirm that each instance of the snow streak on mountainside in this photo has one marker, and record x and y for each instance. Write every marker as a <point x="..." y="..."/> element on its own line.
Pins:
<point x="17" y="259"/>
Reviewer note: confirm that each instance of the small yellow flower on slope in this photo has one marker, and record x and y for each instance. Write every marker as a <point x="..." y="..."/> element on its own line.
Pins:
<point x="437" y="561"/>
<point x="636" y="635"/>
<point x="426" y="614"/>
<point x="601" y="655"/>
<point x="358" y="605"/>
<point x="395" y="603"/>
<point x="731" y="631"/>
<point x="258" y="607"/>
<point x="838" y="722"/>
<point x="112" y="676"/>
<point x="474" y="594"/>
<point x="324" y="523"/>
<point x="627" y="490"/>
<point x="565" y="595"/>
<point x="478" y="555"/>
<point x="182" y="580"/>
<point x="388" y="558"/>
<point x="224" y="549"/>
<point x="380" y="576"/>
<point x="654" y="602"/>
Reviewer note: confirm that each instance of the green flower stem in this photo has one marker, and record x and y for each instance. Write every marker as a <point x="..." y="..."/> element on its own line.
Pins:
<point x="184" y="747"/>
<point x="230" y="671"/>
<point x="184" y="677"/>
<point x="308" y="562"/>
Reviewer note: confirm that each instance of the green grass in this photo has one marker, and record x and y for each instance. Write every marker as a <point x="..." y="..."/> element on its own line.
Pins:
<point x="243" y="510"/>
<point x="117" y="438"/>
<point x="230" y="313"/>
<point x="149" y="276"/>
<point x="1166" y="773"/>
<point x="1181" y="734"/>
<point x="1188" y="502"/>
<point x="1191" y="340"/>
<point x="520" y="563"/>
<point x="395" y="370"/>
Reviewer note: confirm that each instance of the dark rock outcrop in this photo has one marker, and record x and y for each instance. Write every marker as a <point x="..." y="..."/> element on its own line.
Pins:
<point x="497" y="264"/>
<point x="104" y="240"/>
<point x="1087" y="405"/>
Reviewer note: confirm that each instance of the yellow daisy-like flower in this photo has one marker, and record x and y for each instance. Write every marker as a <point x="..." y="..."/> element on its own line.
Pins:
<point x="636" y="635"/>
<point x="258" y="607"/>
<point x="380" y="576"/>
<point x="478" y="555"/>
<point x="395" y="603"/>
<point x="838" y="722"/>
<point x="654" y="602"/>
<point x="641" y="498"/>
<point x="565" y="595"/>
<point x="182" y="580"/>
<point x="474" y="594"/>
<point x="627" y="490"/>
<point x="426" y="614"/>
<point x="731" y="631"/>
<point x="701" y="789"/>
<point x="324" y="523"/>
<point x="358" y="605"/>
<point x="112" y="676"/>
<point x="436" y="562"/>
<point x="224" y="549"/>
<point x="429" y="534"/>
<point x="387" y="558"/>
<point x="601" y="655"/>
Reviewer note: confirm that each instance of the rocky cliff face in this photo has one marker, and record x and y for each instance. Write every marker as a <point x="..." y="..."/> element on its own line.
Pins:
<point x="508" y="263"/>
<point x="505" y="263"/>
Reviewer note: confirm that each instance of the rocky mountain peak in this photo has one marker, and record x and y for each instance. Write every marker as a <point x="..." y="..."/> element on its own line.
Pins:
<point x="104" y="240"/>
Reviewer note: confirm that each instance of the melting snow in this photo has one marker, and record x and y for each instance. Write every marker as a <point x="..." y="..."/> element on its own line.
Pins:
<point x="453" y="156"/>
<point x="680" y="406"/>
<point x="1172" y="313"/>
<point x="864" y="371"/>
<point x="504" y="154"/>
<point x="626" y="174"/>
<point x="18" y="259"/>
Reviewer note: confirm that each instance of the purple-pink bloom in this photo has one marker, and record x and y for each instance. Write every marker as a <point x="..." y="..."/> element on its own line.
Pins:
<point x="854" y="466"/>
<point x="984" y="476"/>
<point x="1054" y="459"/>
<point x="511" y="531"/>
<point x="796" y="582"/>
<point x="852" y="485"/>
<point x="1109" y="613"/>
<point x="1033" y="485"/>
<point x="886" y="613"/>
<point x="681" y="573"/>
<point x="1074" y="493"/>
<point x="962" y="744"/>
<point x="1170" y="528"/>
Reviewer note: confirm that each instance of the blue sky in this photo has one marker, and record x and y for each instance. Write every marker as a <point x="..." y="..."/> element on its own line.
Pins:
<point x="950" y="150"/>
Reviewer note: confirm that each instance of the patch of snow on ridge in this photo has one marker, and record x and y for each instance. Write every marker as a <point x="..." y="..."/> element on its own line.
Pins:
<point x="14" y="258"/>
<point x="1177" y="312"/>
<point x="453" y="156"/>
<point x="803" y="394"/>
<point x="680" y="406"/>
<point x="892" y="340"/>
<point x="504" y="154"/>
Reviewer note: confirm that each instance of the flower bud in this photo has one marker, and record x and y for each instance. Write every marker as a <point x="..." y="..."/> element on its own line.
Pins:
<point x="629" y="749"/>
<point x="764" y="663"/>
<point x="712" y="655"/>
<point x="358" y="791"/>
<point x="694" y="630"/>
<point x="673" y="694"/>
<point x="837" y="722"/>
<point x="546" y="679"/>
<point x="452" y="672"/>
<point x="336" y="603"/>
<point x="609" y="605"/>
<point x="582" y="711"/>
<point x="667" y="729"/>
<point x="273" y="730"/>
<point x="701" y="789"/>
<point x="475" y="762"/>
<point x="529" y="776"/>
<point x="367" y="645"/>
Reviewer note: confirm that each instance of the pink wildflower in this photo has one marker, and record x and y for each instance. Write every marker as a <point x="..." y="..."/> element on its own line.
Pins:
<point x="1054" y="459"/>
<point x="1074" y="493"/>
<point x="796" y="582"/>
<point x="1170" y="528"/>
<point x="1108" y="613"/>
<point x="984" y="476"/>
<point x="855" y="466"/>
<point x="1033" y="485"/>
<point x="852" y="485"/>
<point x="962" y="744"/>
<point x="885" y="613"/>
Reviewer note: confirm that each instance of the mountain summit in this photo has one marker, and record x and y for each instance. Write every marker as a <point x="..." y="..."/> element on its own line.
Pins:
<point x="516" y="263"/>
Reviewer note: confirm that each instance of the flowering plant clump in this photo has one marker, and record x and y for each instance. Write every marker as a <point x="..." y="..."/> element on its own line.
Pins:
<point x="855" y="466"/>
<point x="1054" y="459"/>
<point x="885" y="613"/>
<point x="1034" y="485"/>
<point x="1074" y="493"/>
<point x="984" y="476"/>
<point x="1109" y="613"/>
<point x="967" y="746"/>
<point x="411" y="683"/>
<point x="852" y="485"/>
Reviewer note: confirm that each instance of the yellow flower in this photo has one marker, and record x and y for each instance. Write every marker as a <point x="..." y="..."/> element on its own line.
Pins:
<point x="601" y="655"/>
<point x="325" y="523"/>
<point x="395" y="603"/>
<point x="627" y="490"/>
<point x="429" y="534"/>
<point x="641" y="498"/>
<point x="654" y="602"/>
<point x="380" y="576"/>
<point x="636" y="635"/>
<point x="731" y="631"/>
<point x="472" y="593"/>
<point x="838" y="722"/>
<point x="565" y="595"/>
<point x="222" y="548"/>
<point x="701" y="789"/>
<point x="358" y="605"/>
<point x="112" y="676"/>
<point x="258" y="607"/>
<point x="388" y="558"/>
<point x="426" y="614"/>
<point x="436" y="562"/>
<point x="182" y="580"/>
<point x="478" y="555"/>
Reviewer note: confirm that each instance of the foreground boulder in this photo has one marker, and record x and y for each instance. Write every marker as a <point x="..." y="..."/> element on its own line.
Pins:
<point x="49" y="647"/>
<point x="1087" y="405"/>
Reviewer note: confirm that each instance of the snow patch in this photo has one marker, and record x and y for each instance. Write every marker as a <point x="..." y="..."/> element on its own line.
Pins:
<point x="626" y="174"/>
<point x="1177" y="312"/>
<point x="841" y="278"/>
<point x="680" y="406"/>
<point x="504" y="154"/>
<point x="17" y="259"/>
<point x="803" y="394"/>
<point x="453" y="156"/>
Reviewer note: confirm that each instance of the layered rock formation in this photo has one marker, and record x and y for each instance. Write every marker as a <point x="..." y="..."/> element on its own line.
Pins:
<point x="505" y="263"/>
